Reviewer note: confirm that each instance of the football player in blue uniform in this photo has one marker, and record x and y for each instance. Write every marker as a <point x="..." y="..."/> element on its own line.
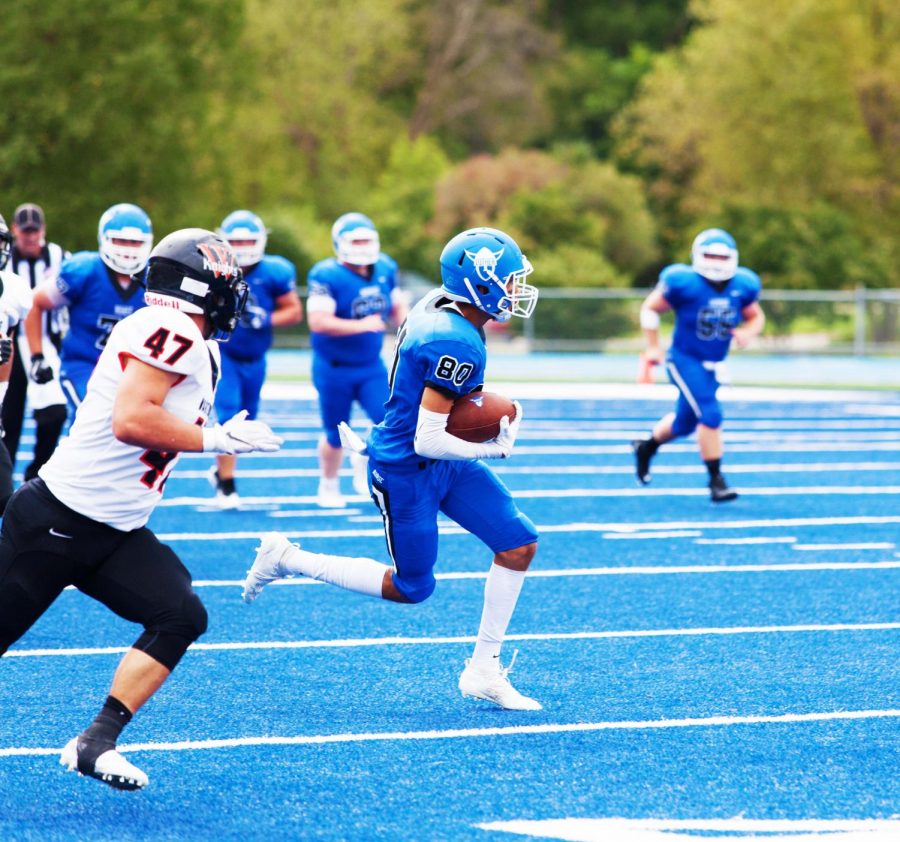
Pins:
<point x="99" y="288"/>
<point x="715" y="301"/>
<point x="417" y="469"/>
<point x="272" y="301"/>
<point x="352" y="296"/>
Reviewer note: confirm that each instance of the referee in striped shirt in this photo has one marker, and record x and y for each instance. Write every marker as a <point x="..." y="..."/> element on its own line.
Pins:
<point x="35" y="377"/>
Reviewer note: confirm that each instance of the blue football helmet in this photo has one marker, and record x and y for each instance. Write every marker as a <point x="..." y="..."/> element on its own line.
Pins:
<point x="125" y="236"/>
<point x="246" y="235"/>
<point x="355" y="239"/>
<point x="6" y="241"/>
<point x="485" y="267"/>
<point x="714" y="255"/>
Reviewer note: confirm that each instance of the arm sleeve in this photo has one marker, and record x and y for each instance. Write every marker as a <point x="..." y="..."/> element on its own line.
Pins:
<point x="320" y="298"/>
<point x="434" y="442"/>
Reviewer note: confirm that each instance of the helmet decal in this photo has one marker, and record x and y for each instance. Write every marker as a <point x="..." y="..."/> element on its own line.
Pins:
<point x="485" y="262"/>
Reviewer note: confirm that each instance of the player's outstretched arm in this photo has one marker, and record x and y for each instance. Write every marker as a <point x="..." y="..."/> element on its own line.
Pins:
<point x="139" y="418"/>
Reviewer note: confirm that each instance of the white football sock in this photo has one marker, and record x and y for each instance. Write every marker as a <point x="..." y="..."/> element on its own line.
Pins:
<point x="362" y="575"/>
<point x="501" y="592"/>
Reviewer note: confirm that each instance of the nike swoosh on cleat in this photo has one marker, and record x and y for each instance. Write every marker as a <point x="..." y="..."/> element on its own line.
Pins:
<point x="56" y="534"/>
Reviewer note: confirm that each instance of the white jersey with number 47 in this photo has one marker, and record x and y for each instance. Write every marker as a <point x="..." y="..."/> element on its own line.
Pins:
<point x="94" y="473"/>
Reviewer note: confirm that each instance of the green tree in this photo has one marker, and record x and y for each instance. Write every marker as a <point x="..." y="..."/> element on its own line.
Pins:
<point x="112" y="106"/>
<point x="789" y="106"/>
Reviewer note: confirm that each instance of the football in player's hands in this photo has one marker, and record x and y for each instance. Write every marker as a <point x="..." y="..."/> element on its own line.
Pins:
<point x="476" y="417"/>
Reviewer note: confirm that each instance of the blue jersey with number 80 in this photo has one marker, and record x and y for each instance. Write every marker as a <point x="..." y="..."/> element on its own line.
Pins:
<point x="436" y="347"/>
<point x="705" y="314"/>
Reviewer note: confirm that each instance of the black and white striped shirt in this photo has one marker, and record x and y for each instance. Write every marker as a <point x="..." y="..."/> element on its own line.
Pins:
<point x="36" y="270"/>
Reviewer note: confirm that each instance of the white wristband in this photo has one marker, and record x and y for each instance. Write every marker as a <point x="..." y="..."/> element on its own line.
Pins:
<point x="434" y="442"/>
<point x="649" y="319"/>
<point x="213" y="439"/>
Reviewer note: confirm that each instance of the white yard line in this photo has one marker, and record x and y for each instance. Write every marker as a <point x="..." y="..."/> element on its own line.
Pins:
<point x="499" y="731"/>
<point x="611" y="470"/>
<point x="623" y="527"/>
<point x="566" y="493"/>
<point x="702" y="830"/>
<point x="366" y="642"/>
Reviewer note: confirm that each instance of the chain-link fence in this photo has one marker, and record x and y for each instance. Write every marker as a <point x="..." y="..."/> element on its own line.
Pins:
<point x="861" y="321"/>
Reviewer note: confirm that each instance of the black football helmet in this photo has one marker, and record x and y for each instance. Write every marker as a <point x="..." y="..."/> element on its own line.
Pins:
<point x="6" y="242"/>
<point x="195" y="270"/>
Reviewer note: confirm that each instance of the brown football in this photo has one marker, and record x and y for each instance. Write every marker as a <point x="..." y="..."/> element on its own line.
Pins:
<point x="476" y="417"/>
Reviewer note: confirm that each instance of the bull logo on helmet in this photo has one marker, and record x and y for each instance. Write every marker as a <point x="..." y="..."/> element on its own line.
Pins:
<point x="485" y="262"/>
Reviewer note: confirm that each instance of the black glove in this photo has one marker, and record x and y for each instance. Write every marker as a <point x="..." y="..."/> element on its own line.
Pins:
<point x="40" y="372"/>
<point x="6" y="348"/>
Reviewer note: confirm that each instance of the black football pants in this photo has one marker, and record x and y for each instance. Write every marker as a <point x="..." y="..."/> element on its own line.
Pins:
<point x="45" y="546"/>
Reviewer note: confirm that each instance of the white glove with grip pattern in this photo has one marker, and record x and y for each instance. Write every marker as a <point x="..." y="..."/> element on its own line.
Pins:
<point x="240" y="436"/>
<point x="509" y="430"/>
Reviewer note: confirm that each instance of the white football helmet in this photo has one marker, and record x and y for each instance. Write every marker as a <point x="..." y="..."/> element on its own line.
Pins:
<point x="355" y="240"/>
<point x="714" y="255"/>
<point x="125" y="238"/>
<point x="246" y="235"/>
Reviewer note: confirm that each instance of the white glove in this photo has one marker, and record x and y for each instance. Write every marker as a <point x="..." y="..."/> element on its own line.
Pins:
<point x="350" y="440"/>
<point x="509" y="430"/>
<point x="240" y="436"/>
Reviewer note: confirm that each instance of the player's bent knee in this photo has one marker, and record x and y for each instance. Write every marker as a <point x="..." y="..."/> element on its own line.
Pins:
<point x="169" y="636"/>
<point x="417" y="590"/>
<point x="683" y="426"/>
<point x="518" y="558"/>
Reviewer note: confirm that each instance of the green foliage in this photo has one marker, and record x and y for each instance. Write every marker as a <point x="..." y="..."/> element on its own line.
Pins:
<point x="403" y="202"/>
<point x="111" y="106"/>
<point x="590" y="221"/>
<point x="777" y="120"/>
<point x="773" y="105"/>
<point x="614" y="25"/>
<point x="805" y="248"/>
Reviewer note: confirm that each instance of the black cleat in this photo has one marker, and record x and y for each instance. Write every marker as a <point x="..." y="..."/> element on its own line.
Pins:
<point x="719" y="492"/>
<point x="642" y="457"/>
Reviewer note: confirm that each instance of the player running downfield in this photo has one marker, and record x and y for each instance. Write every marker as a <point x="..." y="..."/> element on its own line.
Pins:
<point x="271" y="302"/>
<point x="82" y="521"/>
<point x="715" y="301"/>
<point x="100" y="288"/>
<point x="352" y="296"/>
<point x="417" y="469"/>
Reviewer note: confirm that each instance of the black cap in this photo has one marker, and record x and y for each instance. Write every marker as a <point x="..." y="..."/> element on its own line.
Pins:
<point x="28" y="217"/>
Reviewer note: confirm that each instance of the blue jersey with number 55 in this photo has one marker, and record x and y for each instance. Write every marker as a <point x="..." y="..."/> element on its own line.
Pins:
<point x="96" y="304"/>
<point x="705" y="314"/>
<point x="437" y="347"/>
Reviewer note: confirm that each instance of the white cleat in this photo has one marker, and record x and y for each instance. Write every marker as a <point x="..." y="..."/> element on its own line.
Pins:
<point x="110" y="767"/>
<point x="227" y="502"/>
<point x="329" y="495"/>
<point x="492" y="685"/>
<point x="224" y="501"/>
<point x="360" y="465"/>
<point x="267" y="567"/>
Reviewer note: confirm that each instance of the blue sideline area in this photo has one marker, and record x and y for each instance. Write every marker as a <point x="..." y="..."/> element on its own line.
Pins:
<point x="505" y="363"/>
